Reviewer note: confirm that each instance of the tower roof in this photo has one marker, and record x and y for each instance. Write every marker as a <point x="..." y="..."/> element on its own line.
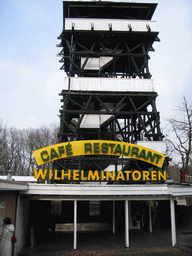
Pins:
<point x="113" y="10"/>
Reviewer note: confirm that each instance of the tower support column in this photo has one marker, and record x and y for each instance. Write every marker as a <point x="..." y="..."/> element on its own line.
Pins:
<point x="113" y="217"/>
<point x="75" y="226"/>
<point x="126" y="223"/>
<point x="173" y="225"/>
<point x="150" y="218"/>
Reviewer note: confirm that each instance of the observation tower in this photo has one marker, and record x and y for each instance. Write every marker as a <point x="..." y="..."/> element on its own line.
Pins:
<point x="109" y="91"/>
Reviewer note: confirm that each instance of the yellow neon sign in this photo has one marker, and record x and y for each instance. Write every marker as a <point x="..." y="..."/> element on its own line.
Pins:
<point x="98" y="147"/>
<point x="77" y="175"/>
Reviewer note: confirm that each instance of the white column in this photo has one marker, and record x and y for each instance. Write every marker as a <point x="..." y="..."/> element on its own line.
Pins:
<point x="173" y="225"/>
<point x="75" y="226"/>
<point x="126" y="224"/>
<point x="150" y="218"/>
<point x="113" y="217"/>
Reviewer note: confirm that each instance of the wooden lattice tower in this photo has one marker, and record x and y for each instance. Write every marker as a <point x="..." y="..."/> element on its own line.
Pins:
<point x="109" y="91"/>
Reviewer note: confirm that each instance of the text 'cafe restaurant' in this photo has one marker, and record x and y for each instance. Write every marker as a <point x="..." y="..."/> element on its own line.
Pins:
<point x="115" y="200"/>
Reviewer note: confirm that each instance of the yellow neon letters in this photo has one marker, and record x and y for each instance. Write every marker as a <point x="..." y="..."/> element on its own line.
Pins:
<point x="90" y="175"/>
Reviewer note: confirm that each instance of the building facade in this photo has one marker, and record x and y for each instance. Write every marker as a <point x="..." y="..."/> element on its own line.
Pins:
<point x="109" y="166"/>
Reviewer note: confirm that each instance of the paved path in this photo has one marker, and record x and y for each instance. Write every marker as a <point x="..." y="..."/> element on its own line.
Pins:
<point x="136" y="252"/>
<point x="94" y="244"/>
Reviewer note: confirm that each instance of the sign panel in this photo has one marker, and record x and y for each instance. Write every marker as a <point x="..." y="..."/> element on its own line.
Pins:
<point x="98" y="147"/>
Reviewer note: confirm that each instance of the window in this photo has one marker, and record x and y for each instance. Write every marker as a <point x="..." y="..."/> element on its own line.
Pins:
<point x="94" y="208"/>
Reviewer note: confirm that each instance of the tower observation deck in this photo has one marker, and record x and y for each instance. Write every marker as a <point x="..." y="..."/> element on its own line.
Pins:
<point x="109" y="91"/>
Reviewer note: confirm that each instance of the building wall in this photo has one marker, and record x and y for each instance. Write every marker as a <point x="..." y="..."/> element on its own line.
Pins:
<point x="174" y="173"/>
<point x="22" y="224"/>
<point x="7" y="205"/>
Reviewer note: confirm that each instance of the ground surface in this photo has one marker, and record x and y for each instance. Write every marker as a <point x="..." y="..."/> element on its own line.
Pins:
<point x="94" y="244"/>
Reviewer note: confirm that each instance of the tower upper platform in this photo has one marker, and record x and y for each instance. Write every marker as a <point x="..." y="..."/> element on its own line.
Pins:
<point x="104" y="16"/>
<point x="107" y="39"/>
<point x="108" y="10"/>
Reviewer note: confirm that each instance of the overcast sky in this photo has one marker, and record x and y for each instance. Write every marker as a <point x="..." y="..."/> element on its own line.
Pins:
<point x="30" y="75"/>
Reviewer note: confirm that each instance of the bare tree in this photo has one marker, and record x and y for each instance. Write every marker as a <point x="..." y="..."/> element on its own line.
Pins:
<point x="4" y="159"/>
<point x="8" y="148"/>
<point x="36" y="139"/>
<point x="179" y="138"/>
<point x="17" y="146"/>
